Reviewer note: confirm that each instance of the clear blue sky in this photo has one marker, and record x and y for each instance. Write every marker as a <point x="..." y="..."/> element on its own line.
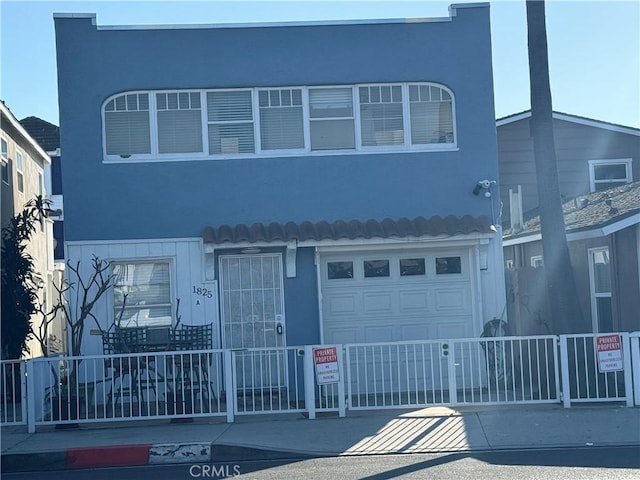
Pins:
<point x="594" y="46"/>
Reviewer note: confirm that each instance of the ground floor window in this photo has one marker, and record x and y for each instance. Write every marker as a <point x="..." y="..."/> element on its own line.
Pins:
<point x="600" y="280"/>
<point x="142" y="293"/>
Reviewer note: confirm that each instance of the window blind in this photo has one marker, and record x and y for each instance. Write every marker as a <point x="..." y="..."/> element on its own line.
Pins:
<point x="230" y="116"/>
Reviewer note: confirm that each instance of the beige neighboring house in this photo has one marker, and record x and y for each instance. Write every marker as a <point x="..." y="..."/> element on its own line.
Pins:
<point x="25" y="170"/>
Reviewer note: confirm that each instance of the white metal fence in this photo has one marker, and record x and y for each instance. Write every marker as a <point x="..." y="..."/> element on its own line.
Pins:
<point x="225" y="383"/>
<point x="13" y="392"/>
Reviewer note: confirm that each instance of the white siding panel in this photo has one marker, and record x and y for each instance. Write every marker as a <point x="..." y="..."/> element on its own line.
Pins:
<point x="186" y="257"/>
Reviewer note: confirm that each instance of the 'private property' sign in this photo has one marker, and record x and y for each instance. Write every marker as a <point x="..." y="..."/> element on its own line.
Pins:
<point x="326" y="362"/>
<point x="609" y="353"/>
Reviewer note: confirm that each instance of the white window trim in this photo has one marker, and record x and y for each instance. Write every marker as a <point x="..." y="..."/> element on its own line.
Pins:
<point x="359" y="149"/>
<point x="592" y="287"/>
<point x="609" y="161"/>
<point x="172" y="282"/>
<point x="535" y="259"/>
<point x="4" y="160"/>
<point x="20" y="171"/>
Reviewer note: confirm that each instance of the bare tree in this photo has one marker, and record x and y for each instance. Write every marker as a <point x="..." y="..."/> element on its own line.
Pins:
<point x="560" y="282"/>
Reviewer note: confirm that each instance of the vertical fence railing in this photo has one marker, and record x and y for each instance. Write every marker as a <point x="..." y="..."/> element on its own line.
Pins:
<point x="493" y="370"/>
<point x="268" y="380"/>
<point x="634" y="339"/>
<point x="506" y="370"/>
<point x="13" y="393"/>
<point x="392" y="375"/>
<point x="101" y="388"/>
<point x="582" y="379"/>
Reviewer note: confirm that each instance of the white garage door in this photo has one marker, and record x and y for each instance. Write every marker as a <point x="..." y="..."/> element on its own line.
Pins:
<point x="394" y="296"/>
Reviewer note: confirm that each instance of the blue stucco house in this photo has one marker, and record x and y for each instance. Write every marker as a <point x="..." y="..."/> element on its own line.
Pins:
<point x="294" y="183"/>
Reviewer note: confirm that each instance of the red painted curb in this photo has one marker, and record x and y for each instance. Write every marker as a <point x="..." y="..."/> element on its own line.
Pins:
<point x="118" y="456"/>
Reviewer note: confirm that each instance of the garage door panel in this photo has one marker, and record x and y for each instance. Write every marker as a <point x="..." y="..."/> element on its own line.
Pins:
<point x="341" y="304"/>
<point x="423" y="330"/>
<point x="453" y="328"/>
<point x="414" y="301"/>
<point x="377" y="302"/>
<point x="452" y="299"/>
<point x="383" y="333"/>
<point x="343" y="335"/>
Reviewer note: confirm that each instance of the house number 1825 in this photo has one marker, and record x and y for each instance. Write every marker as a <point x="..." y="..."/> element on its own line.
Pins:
<point x="203" y="292"/>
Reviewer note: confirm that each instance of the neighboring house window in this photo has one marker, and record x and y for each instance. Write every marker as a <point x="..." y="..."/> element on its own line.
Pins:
<point x="381" y="119"/>
<point x="600" y="282"/>
<point x="281" y="125"/>
<point x="230" y="122"/>
<point x="331" y="119"/>
<point x="20" y="171"/>
<point x="41" y="193"/>
<point x="173" y="125"/>
<point x="142" y="293"/>
<point x="179" y="122"/>
<point x="127" y="125"/>
<point x="536" y="261"/>
<point x="5" y="160"/>
<point x="604" y="174"/>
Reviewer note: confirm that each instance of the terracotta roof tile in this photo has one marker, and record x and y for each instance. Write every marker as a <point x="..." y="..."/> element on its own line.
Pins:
<point x="323" y="230"/>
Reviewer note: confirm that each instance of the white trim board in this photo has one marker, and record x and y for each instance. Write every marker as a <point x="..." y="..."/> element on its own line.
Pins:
<point x="573" y="119"/>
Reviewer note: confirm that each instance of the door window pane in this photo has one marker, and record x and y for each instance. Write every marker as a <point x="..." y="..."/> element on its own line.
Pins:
<point x="338" y="270"/>
<point x="448" y="265"/>
<point x="412" y="266"/>
<point x="376" y="268"/>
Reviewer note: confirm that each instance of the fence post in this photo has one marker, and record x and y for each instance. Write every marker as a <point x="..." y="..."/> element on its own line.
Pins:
<point x="626" y="364"/>
<point x="564" y="366"/>
<point x="229" y="384"/>
<point x="342" y="404"/>
<point x="635" y="357"/>
<point x="309" y="382"/>
<point x="448" y="349"/>
<point x="30" y="397"/>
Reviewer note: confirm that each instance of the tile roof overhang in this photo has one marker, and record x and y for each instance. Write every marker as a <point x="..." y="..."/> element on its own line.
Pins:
<point x="595" y="212"/>
<point x="340" y="230"/>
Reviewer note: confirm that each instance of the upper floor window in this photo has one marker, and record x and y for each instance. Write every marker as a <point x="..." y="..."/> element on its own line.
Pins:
<point x="604" y="174"/>
<point x="186" y="124"/>
<point x="127" y="125"/>
<point x="20" y="171"/>
<point x="4" y="161"/>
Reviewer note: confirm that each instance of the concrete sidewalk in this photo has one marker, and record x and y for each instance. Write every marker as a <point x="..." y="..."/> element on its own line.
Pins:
<point x="428" y="430"/>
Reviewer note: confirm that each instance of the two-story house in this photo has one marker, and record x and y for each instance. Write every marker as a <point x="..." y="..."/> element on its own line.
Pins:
<point x="24" y="166"/>
<point x="598" y="173"/>
<point x="294" y="183"/>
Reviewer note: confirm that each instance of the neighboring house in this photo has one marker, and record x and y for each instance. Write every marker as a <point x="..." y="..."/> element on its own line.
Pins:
<point x="24" y="168"/>
<point x="598" y="170"/>
<point x="290" y="183"/>
<point x="48" y="137"/>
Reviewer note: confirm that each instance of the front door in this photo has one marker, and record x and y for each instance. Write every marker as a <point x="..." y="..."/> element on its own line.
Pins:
<point x="252" y="303"/>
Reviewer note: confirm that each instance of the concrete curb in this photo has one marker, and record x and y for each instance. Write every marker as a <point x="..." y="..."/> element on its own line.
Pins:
<point x="136" y="455"/>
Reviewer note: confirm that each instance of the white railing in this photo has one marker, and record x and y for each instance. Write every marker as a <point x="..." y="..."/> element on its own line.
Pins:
<point x="582" y="381"/>
<point x="493" y="370"/>
<point x="506" y="370"/>
<point x="634" y="339"/>
<point x="268" y="380"/>
<point x="13" y="393"/>
<point x="121" y="387"/>
<point x="392" y="375"/>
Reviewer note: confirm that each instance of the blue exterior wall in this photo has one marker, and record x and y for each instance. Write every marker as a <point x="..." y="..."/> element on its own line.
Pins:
<point x="177" y="199"/>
